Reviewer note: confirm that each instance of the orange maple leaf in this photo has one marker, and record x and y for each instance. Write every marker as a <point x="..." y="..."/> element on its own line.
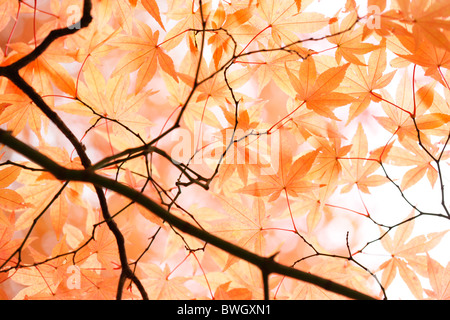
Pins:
<point x="349" y="44"/>
<point x="143" y="54"/>
<point x="152" y="7"/>
<point x="7" y="244"/>
<point x="410" y="154"/>
<point x="289" y="176"/>
<point x="359" y="169"/>
<point x="224" y="293"/>
<point x="406" y="258"/>
<point x="317" y="91"/>
<point x="285" y="20"/>
<point x="10" y="199"/>
<point x="439" y="280"/>
<point x="361" y="81"/>
<point x="161" y="286"/>
<point x="429" y="20"/>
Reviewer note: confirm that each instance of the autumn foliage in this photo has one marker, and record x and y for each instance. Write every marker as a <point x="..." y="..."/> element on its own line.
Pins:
<point x="224" y="149"/>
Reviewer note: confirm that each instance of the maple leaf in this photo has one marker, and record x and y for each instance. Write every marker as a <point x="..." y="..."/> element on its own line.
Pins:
<point x="349" y="44"/>
<point x="10" y="199"/>
<point x="316" y="91"/>
<point x="285" y="20"/>
<point x="46" y="71"/>
<point x="110" y="99"/>
<point x="431" y="58"/>
<point x="93" y="285"/>
<point x="328" y="168"/>
<point x="37" y="281"/>
<point x="8" y="9"/>
<point x="411" y="154"/>
<point x="399" y="112"/>
<point x="361" y="81"/>
<point x="233" y="23"/>
<point x="18" y="111"/>
<point x="340" y="271"/>
<point x="160" y="287"/>
<point x="245" y="155"/>
<point x="224" y="293"/>
<point x="188" y="18"/>
<point x="439" y="280"/>
<point x="152" y="7"/>
<point x="259" y="59"/>
<point x="246" y="225"/>
<point x="214" y="89"/>
<point x="359" y="168"/>
<point x="104" y="248"/>
<point x="306" y="123"/>
<point x="179" y="91"/>
<point x="40" y="188"/>
<point x="344" y="273"/>
<point x="144" y="54"/>
<point x="290" y="176"/>
<point x="311" y="205"/>
<point x="271" y="65"/>
<point x="8" y="245"/>
<point x="406" y="258"/>
<point x="42" y="280"/>
<point x="429" y="20"/>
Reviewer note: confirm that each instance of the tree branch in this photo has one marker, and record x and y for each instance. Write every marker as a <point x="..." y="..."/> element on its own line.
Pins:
<point x="12" y="73"/>
<point x="267" y="265"/>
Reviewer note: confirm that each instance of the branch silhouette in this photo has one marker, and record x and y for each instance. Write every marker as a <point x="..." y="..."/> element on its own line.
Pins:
<point x="266" y="264"/>
<point x="187" y="175"/>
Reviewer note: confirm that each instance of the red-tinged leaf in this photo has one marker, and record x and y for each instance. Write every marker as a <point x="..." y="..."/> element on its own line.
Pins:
<point x="310" y="204"/>
<point x="35" y="281"/>
<point x="39" y="196"/>
<point x="187" y="18"/>
<point x="245" y="225"/>
<point x="46" y="71"/>
<point x="233" y="23"/>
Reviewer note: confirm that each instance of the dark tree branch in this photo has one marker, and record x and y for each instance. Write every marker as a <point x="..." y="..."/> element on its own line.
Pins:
<point x="12" y="73"/>
<point x="267" y="265"/>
